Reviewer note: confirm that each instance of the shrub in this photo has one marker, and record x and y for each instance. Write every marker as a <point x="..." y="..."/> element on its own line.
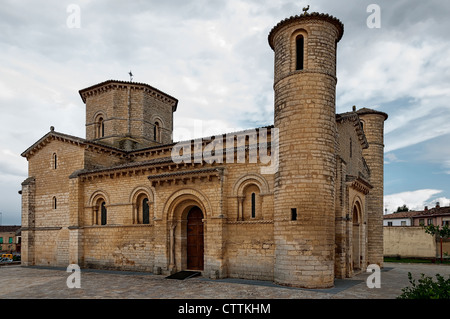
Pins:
<point x="426" y="288"/>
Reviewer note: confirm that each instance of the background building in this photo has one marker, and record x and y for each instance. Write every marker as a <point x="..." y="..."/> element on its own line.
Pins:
<point x="10" y="239"/>
<point x="438" y="216"/>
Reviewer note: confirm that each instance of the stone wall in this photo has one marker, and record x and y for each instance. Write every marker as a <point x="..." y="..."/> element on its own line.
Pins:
<point x="46" y="233"/>
<point x="250" y="249"/>
<point x="408" y="241"/>
<point x="119" y="247"/>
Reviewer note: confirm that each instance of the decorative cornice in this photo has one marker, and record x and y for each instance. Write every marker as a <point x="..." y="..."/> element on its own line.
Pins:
<point x="50" y="228"/>
<point x="354" y="117"/>
<point x="254" y="221"/>
<point x="114" y="84"/>
<point x="186" y="175"/>
<point x="365" y="110"/>
<point x="305" y="17"/>
<point x="52" y="135"/>
<point x="359" y="184"/>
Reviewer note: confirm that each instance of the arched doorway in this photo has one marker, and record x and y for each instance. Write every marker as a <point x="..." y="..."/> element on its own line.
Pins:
<point x="195" y="249"/>
<point x="356" y="238"/>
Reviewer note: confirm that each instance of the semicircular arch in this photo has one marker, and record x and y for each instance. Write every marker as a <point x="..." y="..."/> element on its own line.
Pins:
<point x="138" y="191"/>
<point x="93" y="199"/>
<point x="250" y="179"/>
<point x="187" y="196"/>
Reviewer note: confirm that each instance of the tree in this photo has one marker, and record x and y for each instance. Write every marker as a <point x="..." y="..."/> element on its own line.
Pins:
<point x="403" y="208"/>
<point x="439" y="233"/>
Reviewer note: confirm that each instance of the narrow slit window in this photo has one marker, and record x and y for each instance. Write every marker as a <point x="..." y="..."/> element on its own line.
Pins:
<point x="145" y="211"/>
<point x="300" y="46"/>
<point x="253" y="205"/>
<point x="101" y="128"/>
<point x="293" y="213"/>
<point x="54" y="202"/>
<point x="55" y="161"/>
<point x="157" y="132"/>
<point x="103" y="216"/>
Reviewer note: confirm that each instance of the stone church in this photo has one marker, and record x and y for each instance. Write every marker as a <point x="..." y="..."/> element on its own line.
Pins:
<point x="119" y="199"/>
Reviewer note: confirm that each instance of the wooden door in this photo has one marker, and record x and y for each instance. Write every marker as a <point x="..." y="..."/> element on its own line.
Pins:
<point x="195" y="239"/>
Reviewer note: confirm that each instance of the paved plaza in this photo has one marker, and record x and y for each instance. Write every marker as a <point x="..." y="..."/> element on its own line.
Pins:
<point x="18" y="282"/>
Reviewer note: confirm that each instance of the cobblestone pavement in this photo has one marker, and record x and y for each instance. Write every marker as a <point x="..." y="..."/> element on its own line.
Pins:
<point x="19" y="282"/>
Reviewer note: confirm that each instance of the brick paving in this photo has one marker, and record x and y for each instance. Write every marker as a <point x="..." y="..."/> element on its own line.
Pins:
<point x="19" y="282"/>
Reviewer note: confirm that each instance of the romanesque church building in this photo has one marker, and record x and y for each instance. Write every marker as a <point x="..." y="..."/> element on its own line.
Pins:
<point x="127" y="197"/>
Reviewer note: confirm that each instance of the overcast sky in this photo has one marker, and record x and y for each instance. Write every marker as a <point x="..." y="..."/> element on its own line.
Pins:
<point x="214" y="57"/>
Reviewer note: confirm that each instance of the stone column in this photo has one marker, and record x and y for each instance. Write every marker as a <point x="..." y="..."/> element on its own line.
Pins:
<point x="28" y="221"/>
<point x="240" y="208"/>
<point x="161" y="247"/>
<point x="214" y="266"/>
<point x="76" y="231"/>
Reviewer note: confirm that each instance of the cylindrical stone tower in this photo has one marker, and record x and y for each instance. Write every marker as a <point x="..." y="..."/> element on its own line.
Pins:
<point x="305" y="114"/>
<point x="373" y="126"/>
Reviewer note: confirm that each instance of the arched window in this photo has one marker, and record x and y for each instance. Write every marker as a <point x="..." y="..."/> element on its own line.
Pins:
<point x="102" y="128"/>
<point x="251" y="202"/>
<point x="99" y="127"/>
<point x="103" y="213"/>
<point x="55" y="161"/>
<point x="253" y="205"/>
<point x="141" y="209"/>
<point x="299" y="47"/>
<point x="145" y="211"/>
<point x="157" y="131"/>
<point x="99" y="210"/>
<point x="357" y="231"/>
<point x="54" y="202"/>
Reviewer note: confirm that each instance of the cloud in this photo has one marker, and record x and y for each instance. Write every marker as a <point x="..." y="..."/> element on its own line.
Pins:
<point x="414" y="200"/>
<point x="214" y="57"/>
<point x="391" y="158"/>
<point x="401" y="69"/>
<point x="11" y="164"/>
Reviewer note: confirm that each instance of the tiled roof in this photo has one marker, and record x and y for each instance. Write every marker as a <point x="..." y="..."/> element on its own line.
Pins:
<point x="432" y="212"/>
<point x="401" y="215"/>
<point x="435" y="211"/>
<point x="70" y="138"/>
<point x="9" y="229"/>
